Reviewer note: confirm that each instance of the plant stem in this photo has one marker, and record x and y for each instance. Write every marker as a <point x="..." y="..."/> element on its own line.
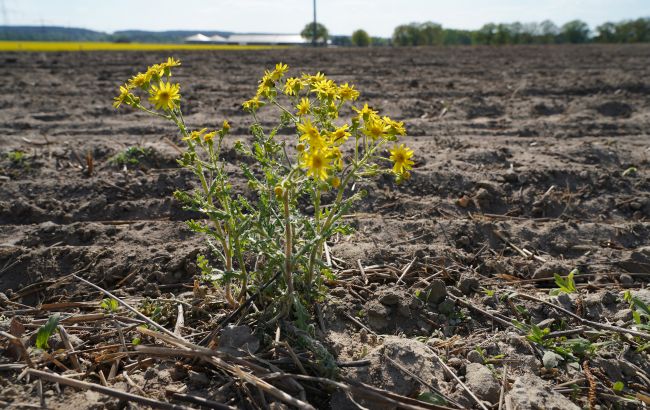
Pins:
<point x="288" y="247"/>
<point x="317" y="247"/>
<point x="220" y="230"/>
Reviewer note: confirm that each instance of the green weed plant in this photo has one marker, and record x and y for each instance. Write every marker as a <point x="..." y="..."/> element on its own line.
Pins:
<point x="266" y="242"/>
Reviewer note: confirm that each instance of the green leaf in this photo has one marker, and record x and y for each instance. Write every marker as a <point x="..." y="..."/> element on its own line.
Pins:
<point x="432" y="398"/>
<point x="45" y="331"/>
<point x="618" y="386"/>
<point x="110" y="305"/>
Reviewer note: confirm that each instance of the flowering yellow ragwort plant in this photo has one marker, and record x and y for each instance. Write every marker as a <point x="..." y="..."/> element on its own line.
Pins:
<point x="267" y="243"/>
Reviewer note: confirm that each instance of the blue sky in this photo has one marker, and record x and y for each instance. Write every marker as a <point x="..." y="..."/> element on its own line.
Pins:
<point x="378" y="17"/>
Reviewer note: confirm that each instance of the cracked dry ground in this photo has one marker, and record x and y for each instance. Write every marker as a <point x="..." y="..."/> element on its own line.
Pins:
<point x="530" y="161"/>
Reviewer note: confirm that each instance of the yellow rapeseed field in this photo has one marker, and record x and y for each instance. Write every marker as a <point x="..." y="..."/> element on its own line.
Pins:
<point x="101" y="46"/>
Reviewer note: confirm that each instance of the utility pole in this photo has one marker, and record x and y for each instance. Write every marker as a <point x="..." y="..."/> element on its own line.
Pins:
<point x="314" y="30"/>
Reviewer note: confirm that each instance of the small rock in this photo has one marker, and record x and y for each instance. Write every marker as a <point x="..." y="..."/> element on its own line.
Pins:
<point x="198" y="379"/>
<point x="151" y="290"/>
<point x="463" y="241"/>
<point x="150" y="373"/>
<point x="446" y="307"/>
<point x="626" y="280"/>
<point x="389" y="299"/>
<point x="608" y="298"/>
<point x="565" y="300"/>
<point x="531" y="392"/>
<point x="474" y="357"/>
<point x="338" y="292"/>
<point x="623" y="315"/>
<point x="547" y="269"/>
<point x="238" y="340"/>
<point x="593" y="307"/>
<point x="468" y="285"/>
<point x="455" y="362"/>
<point x="480" y="381"/>
<point x="377" y="315"/>
<point x="437" y="291"/>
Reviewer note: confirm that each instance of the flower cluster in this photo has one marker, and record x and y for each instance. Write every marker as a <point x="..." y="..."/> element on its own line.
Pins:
<point x="163" y="95"/>
<point x="316" y="105"/>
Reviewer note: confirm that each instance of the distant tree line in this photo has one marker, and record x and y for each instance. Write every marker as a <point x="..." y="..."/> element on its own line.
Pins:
<point x="47" y="33"/>
<point x="414" y="34"/>
<point x="546" y="32"/>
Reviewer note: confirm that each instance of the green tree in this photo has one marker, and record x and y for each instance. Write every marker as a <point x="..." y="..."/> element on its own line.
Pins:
<point x="486" y="34"/>
<point x="431" y="33"/>
<point x="360" y="38"/>
<point x="606" y="33"/>
<point x="321" y="33"/>
<point x="575" y="31"/>
<point x="548" y="32"/>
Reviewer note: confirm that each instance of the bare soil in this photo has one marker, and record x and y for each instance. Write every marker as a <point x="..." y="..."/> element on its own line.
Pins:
<point x="530" y="161"/>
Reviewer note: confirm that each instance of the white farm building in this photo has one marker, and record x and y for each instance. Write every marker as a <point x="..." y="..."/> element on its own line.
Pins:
<point x="254" y="39"/>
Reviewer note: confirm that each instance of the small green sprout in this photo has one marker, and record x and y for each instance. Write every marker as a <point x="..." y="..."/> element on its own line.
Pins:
<point x="630" y="172"/>
<point x="110" y="305"/>
<point x="565" y="285"/>
<point x="16" y="157"/>
<point x="640" y="311"/>
<point x="45" y="331"/>
<point x="618" y="386"/>
<point x="130" y="156"/>
<point x="489" y="292"/>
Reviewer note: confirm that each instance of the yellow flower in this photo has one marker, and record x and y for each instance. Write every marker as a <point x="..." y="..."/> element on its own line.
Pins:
<point x="140" y="80"/>
<point x="340" y="135"/>
<point x="266" y="84"/>
<point x="209" y="136"/>
<point x="395" y="127"/>
<point x="171" y="63"/>
<point x="336" y="182"/>
<point x="401" y="157"/>
<point x="253" y="104"/>
<point x="347" y="92"/>
<point x="195" y="135"/>
<point x="279" y="71"/>
<point x="313" y="79"/>
<point x="316" y="163"/>
<point x="325" y="89"/>
<point x="226" y="126"/>
<point x="303" y="107"/>
<point x="308" y="132"/>
<point x="279" y="191"/>
<point x="166" y="96"/>
<point x="364" y="112"/>
<point x="375" y="127"/>
<point x="155" y="71"/>
<point x="292" y="86"/>
<point x="124" y="97"/>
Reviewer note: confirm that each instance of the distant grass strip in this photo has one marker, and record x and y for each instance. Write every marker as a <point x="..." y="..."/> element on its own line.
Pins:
<point x="101" y="46"/>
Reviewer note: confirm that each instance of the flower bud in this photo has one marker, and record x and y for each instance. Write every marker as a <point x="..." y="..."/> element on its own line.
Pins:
<point x="279" y="191"/>
<point x="336" y="182"/>
<point x="300" y="147"/>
